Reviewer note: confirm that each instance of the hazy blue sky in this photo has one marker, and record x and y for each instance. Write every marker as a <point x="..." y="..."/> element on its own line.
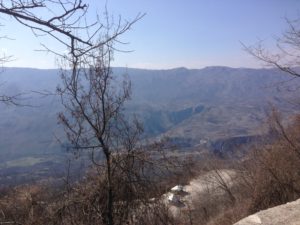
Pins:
<point x="174" y="33"/>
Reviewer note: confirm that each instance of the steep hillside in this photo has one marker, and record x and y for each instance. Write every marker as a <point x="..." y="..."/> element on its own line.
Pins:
<point x="193" y="105"/>
<point x="211" y="103"/>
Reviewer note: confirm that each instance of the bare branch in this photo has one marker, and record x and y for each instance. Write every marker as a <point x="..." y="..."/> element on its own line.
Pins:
<point x="287" y="56"/>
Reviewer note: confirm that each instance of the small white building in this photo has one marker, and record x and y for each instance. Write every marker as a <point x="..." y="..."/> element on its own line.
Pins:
<point x="172" y="198"/>
<point x="177" y="189"/>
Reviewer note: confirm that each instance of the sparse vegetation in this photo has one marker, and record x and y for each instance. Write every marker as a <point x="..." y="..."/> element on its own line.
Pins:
<point x="221" y="174"/>
<point x="266" y="176"/>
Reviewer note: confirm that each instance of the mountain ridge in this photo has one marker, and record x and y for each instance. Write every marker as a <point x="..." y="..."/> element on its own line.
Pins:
<point x="233" y="102"/>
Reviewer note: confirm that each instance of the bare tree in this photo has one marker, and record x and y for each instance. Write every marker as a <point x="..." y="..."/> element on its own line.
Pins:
<point x="93" y="117"/>
<point x="94" y="112"/>
<point x="273" y="174"/>
<point x="94" y="121"/>
<point x="63" y="20"/>
<point x="287" y="56"/>
<point x="59" y="19"/>
<point x="93" y="100"/>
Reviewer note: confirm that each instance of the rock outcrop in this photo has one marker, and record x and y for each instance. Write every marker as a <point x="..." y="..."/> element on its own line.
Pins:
<point x="287" y="214"/>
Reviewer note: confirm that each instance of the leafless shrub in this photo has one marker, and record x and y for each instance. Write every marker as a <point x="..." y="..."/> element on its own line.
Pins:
<point x="286" y="54"/>
<point x="268" y="175"/>
<point x="276" y="179"/>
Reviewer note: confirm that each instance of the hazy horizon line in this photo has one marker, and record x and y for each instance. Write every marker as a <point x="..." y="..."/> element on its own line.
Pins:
<point x="144" y="68"/>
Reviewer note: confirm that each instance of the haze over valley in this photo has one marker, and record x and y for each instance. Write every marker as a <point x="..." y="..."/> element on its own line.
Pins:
<point x="196" y="108"/>
<point x="149" y="112"/>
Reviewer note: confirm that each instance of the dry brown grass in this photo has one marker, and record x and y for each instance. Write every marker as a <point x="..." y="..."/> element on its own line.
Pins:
<point x="267" y="176"/>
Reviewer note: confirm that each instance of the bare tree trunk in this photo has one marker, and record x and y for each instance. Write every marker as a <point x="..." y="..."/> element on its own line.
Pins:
<point x="110" y="199"/>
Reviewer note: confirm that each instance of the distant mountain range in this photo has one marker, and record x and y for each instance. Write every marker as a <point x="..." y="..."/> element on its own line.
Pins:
<point x="194" y="105"/>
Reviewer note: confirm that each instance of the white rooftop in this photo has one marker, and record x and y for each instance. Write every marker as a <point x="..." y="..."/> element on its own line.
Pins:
<point x="177" y="188"/>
